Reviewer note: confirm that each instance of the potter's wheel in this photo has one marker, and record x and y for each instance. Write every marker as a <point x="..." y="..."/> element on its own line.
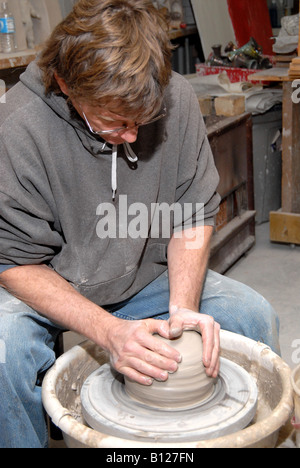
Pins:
<point x="108" y="408"/>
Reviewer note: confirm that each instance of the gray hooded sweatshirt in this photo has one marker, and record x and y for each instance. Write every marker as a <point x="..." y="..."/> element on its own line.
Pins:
<point x="57" y="181"/>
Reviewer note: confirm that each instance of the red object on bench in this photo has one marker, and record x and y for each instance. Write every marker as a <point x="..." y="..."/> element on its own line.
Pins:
<point x="251" y="18"/>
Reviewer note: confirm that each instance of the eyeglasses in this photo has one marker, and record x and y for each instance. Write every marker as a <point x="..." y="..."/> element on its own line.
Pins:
<point x="125" y="128"/>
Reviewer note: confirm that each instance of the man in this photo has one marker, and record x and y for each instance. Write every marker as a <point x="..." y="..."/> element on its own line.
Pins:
<point x="96" y="138"/>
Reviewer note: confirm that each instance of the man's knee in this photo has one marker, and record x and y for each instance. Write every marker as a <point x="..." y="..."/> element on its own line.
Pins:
<point x="240" y="309"/>
<point x="26" y="342"/>
<point x="11" y="330"/>
<point x="2" y="351"/>
<point x="14" y="341"/>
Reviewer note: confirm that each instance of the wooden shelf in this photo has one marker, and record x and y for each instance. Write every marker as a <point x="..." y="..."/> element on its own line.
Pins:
<point x="17" y="59"/>
<point x="276" y="74"/>
<point x="177" y="33"/>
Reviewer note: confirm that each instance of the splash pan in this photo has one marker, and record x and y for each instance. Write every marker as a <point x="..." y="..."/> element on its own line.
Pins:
<point x="109" y="409"/>
<point x="64" y="381"/>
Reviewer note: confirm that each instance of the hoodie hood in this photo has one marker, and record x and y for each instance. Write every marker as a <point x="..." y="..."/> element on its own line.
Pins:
<point x="32" y="79"/>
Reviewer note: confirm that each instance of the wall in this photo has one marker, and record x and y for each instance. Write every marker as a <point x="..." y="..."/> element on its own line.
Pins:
<point x="50" y="12"/>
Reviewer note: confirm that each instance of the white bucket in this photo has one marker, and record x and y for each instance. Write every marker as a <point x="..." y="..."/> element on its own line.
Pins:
<point x="62" y="385"/>
<point x="296" y="387"/>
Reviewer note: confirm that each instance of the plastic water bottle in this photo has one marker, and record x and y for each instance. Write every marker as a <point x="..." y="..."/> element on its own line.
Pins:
<point x="7" y="29"/>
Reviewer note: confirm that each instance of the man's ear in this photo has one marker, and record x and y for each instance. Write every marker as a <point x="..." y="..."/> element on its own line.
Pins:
<point x="62" y="84"/>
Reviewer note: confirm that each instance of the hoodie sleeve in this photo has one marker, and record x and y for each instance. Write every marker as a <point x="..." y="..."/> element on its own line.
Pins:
<point x="198" y="178"/>
<point x="28" y="234"/>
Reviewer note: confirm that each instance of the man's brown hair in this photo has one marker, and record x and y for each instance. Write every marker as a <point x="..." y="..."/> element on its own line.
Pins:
<point x="111" y="52"/>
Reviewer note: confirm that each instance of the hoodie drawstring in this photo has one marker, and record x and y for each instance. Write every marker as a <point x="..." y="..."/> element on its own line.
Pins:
<point x="114" y="171"/>
<point x="130" y="155"/>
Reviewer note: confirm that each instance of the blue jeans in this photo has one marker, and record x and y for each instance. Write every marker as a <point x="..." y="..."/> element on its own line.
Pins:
<point x="27" y="340"/>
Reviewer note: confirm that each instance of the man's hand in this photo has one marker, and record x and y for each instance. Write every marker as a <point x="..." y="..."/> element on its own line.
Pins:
<point x="186" y="319"/>
<point x="139" y="355"/>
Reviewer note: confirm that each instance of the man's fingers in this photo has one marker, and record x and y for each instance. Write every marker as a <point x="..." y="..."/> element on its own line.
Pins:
<point x="145" y="356"/>
<point x="151" y="341"/>
<point x="213" y="364"/>
<point x="185" y="319"/>
<point x="148" y="368"/>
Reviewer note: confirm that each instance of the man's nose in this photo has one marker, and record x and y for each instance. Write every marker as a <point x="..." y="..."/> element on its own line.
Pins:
<point x="130" y="135"/>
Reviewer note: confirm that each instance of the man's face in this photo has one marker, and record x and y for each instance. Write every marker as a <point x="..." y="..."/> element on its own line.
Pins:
<point x="114" y="128"/>
<point x="110" y="124"/>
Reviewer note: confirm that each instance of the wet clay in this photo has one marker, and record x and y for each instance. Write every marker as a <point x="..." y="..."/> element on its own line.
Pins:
<point x="185" y="388"/>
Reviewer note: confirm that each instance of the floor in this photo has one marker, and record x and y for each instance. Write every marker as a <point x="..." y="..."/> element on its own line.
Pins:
<point x="272" y="270"/>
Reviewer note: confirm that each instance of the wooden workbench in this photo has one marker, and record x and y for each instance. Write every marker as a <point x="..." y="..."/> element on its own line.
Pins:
<point x="17" y="59"/>
<point x="231" y="143"/>
<point x="285" y="223"/>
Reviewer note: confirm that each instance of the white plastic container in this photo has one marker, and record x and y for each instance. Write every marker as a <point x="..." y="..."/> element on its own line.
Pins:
<point x="296" y="387"/>
<point x="63" y="382"/>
